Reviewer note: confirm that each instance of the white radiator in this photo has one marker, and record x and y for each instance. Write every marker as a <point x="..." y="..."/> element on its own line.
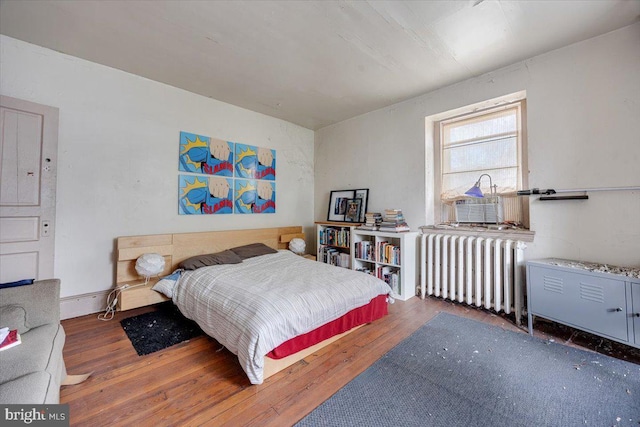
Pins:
<point x="481" y="271"/>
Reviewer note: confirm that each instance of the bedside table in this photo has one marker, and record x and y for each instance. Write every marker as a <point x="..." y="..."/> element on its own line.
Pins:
<point x="309" y="256"/>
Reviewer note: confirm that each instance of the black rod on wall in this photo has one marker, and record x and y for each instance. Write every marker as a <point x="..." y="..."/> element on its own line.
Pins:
<point x="577" y="190"/>
<point x="548" y="193"/>
<point x="578" y="197"/>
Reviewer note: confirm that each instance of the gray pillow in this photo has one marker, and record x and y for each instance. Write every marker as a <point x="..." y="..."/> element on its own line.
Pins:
<point x="219" y="258"/>
<point x="252" y="250"/>
<point x="14" y="317"/>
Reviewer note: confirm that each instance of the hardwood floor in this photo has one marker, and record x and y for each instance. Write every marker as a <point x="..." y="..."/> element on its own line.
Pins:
<point x="193" y="383"/>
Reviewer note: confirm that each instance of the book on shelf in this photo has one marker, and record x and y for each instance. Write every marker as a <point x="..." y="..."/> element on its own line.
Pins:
<point x="390" y="276"/>
<point x="387" y="253"/>
<point x="368" y="227"/>
<point x="365" y="250"/>
<point x="11" y="339"/>
<point x="371" y="221"/>
<point x="393" y="221"/>
<point x="392" y="213"/>
<point x="396" y="228"/>
<point x="372" y="217"/>
<point x="335" y="237"/>
<point x="333" y="256"/>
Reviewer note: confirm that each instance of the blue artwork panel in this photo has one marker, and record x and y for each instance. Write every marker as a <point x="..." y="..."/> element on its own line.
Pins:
<point x="255" y="162"/>
<point x="220" y="161"/>
<point x="252" y="196"/>
<point x="246" y="161"/>
<point x="202" y="195"/>
<point x="266" y="167"/>
<point x="202" y="154"/>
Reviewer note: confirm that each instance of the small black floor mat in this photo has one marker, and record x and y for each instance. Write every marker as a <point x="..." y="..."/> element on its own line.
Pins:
<point x="156" y="330"/>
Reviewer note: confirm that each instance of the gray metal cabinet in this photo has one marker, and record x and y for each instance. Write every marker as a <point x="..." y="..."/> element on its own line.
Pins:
<point x="635" y="314"/>
<point x="604" y="304"/>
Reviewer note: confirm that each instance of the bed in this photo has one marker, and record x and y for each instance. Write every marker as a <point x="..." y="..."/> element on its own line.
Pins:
<point x="272" y="309"/>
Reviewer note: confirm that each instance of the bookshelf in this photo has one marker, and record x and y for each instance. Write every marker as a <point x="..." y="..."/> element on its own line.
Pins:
<point x="388" y="255"/>
<point x="334" y="243"/>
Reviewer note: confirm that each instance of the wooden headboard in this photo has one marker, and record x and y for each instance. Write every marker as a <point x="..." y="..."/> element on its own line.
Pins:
<point x="175" y="248"/>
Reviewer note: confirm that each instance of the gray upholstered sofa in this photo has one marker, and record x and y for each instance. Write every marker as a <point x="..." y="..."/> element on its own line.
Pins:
<point x="32" y="371"/>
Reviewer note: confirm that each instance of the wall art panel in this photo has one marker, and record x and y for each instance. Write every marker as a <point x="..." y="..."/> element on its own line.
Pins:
<point x="205" y="195"/>
<point x="252" y="196"/>
<point x="202" y="154"/>
<point x="255" y="162"/>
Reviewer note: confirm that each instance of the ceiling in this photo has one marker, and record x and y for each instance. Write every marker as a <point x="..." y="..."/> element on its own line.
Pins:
<point x="312" y="63"/>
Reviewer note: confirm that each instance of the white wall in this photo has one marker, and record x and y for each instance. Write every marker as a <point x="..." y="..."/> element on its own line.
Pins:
<point x="583" y="118"/>
<point x="118" y="157"/>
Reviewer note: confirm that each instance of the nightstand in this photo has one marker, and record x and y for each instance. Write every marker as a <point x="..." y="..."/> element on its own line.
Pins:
<point x="309" y="256"/>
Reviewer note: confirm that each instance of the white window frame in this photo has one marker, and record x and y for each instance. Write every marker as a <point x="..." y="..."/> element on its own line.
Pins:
<point x="475" y="111"/>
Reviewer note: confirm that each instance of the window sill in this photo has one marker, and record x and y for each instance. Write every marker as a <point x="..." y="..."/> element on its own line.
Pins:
<point x="488" y="231"/>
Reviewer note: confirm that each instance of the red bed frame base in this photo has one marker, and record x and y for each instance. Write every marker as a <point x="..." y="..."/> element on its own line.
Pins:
<point x="376" y="309"/>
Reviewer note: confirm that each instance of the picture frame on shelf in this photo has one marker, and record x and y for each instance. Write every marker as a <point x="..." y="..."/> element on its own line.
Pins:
<point x="362" y="194"/>
<point x="338" y="204"/>
<point x="353" y="210"/>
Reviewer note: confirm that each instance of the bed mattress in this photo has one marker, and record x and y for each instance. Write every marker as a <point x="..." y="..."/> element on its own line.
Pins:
<point x="253" y="307"/>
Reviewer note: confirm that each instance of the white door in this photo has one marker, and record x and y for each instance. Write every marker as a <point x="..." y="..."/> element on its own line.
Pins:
<point x="28" y="158"/>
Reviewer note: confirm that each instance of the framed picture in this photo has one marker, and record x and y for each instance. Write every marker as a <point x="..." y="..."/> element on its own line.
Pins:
<point x="362" y="194"/>
<point x="353" y="210"/>
<point x="338" y="204"/>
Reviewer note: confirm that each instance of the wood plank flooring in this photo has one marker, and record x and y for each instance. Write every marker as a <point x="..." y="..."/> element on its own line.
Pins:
<point x="196" y="383"/>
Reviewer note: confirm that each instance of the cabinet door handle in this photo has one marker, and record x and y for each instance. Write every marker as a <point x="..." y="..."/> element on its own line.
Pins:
<point x="636" y="314"/>
<point x="617" y="309"/>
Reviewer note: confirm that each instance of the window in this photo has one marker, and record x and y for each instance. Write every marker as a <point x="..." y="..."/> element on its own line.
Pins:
<point x="490" y="141"/>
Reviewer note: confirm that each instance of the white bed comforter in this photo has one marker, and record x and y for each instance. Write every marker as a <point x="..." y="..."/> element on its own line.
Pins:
<point x="253" y="307"/>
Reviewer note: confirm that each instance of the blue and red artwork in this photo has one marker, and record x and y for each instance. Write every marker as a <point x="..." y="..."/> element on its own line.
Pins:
<point x="202" y="195"/>
<point x="202" y="154"/>
<point x="255" y="162"/>
<point x="252" y="196"/>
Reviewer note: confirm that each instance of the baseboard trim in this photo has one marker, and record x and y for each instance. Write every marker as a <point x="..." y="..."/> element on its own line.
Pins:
<point x="80" y="305"/>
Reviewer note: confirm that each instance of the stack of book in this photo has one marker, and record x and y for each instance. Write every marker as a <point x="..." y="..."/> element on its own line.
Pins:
<point x="372" y="221"/>
<point x="9" y="338"/>
<point x="393" y="221"/>
<point x="365" y="250"/>
<point x="391" y="276"/>
<point x="387" y="253"/>
<point x="332" y="256"/>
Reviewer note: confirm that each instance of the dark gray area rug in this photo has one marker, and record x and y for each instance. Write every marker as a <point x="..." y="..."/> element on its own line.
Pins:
<point x="458" y="372"/>
<point x="156" y="330"/>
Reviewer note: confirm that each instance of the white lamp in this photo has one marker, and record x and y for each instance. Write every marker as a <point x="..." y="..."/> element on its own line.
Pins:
<point x="150" y="264"/>
<point x="297" y="246"/>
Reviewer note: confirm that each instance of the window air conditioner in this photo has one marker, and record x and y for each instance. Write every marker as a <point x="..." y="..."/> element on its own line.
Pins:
<point x="486" y="210"/>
